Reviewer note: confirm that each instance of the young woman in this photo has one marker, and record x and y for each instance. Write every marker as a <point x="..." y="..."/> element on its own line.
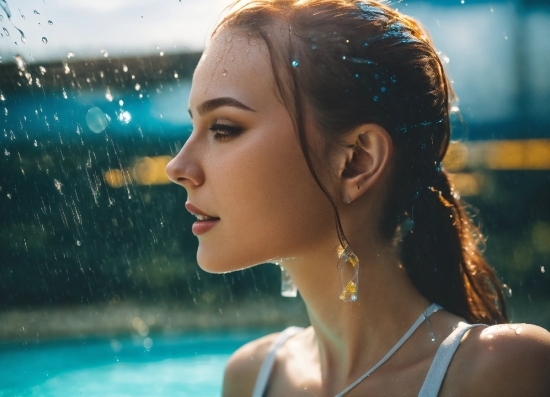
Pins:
<point x="319" y="130"/>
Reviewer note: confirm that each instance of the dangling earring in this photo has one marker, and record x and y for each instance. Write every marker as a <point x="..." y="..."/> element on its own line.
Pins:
<point x="288" y="288"/>
<point x="348" y="265"/>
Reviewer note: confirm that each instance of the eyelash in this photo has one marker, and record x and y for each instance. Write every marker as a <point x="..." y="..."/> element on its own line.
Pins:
<point x="224" y="131"/>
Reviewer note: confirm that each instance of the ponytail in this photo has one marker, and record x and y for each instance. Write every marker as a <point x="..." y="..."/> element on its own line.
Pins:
<point x="442" y="256"/>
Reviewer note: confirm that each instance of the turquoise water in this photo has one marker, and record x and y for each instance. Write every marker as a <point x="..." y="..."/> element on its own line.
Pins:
<point x="188" y="365"/>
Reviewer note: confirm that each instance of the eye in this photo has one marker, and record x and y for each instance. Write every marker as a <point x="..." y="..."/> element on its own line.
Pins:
<point x="223" y="132"/>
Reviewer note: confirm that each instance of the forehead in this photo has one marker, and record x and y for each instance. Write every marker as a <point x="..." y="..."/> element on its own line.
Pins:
<point x="234" y="64"/>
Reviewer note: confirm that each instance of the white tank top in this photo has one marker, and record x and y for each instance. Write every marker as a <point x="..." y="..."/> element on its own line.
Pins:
<point x="432" y="382"/>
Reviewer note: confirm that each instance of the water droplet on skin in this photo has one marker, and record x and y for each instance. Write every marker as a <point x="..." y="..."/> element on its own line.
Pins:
<point x="224" y="72"/>
<point x="375" y="99"/>
<point x="295" y="63"/>
<point x="490" y="336"/>
<point x="518" y="330"/>
<point x="44" y="40"/>
<point x="50" y="23"/>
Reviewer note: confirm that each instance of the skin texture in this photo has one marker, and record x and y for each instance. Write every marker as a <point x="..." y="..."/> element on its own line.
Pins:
<point x="270" y="209"/>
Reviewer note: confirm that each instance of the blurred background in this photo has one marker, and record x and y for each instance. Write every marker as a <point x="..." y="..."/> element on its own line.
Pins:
<point x="95" y="241"/>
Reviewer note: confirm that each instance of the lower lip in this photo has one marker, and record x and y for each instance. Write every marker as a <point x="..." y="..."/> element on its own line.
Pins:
<point x="200" y="227"/>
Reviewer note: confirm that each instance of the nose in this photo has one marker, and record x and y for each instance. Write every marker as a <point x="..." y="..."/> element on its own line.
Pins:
<point x="185" y="169"/>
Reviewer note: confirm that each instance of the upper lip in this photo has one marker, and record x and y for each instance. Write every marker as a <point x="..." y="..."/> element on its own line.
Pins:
<point x="196" y="211"/>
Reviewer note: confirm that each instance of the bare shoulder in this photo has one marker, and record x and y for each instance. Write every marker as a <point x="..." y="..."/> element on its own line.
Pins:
<point x="244" y="365"/>
<point x="507" y="360"/>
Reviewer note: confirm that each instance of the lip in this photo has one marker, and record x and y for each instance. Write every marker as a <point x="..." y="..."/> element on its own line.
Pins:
<point x="201" y="227"/>
<point x="196" y="211"/>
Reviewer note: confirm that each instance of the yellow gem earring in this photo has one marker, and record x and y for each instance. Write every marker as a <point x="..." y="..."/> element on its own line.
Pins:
<point x="348" y="265"/>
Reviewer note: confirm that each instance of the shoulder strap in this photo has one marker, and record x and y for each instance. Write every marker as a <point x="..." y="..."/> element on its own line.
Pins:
<point x="267" y="365"/>
<point x="442" y="359"/>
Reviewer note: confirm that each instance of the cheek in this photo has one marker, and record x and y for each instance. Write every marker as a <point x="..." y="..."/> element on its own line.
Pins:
<point x="269" y="203"/>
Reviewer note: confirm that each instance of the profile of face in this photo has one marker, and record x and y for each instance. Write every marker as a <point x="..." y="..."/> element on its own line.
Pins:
<point x="243" y="164"/>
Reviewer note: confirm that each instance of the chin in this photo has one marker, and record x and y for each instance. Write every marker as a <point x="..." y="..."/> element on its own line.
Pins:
<point x="217" y="263"/>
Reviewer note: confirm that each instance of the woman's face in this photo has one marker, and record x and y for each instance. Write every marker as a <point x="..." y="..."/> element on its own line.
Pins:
<point x="243" y="165"/>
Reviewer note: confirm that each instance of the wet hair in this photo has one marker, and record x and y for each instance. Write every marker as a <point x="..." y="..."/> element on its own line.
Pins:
<point x="351" y="62"/>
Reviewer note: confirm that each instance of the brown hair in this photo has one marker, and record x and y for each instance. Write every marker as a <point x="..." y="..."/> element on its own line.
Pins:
<point x="359" y="61"/>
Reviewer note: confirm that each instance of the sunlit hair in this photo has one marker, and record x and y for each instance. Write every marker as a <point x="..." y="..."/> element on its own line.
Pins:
<point x="351" y="62"/>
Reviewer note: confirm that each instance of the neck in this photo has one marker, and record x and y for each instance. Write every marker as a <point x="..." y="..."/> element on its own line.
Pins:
<point x="352" y="336"/>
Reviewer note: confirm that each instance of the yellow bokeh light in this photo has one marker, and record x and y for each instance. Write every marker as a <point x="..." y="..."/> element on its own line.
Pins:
<point x="456" y="157"/>
<point x="114" y="178"/>
<point x="531" y="154"/>
<point x="467" y="184"/>
<point x="151" y="170"/>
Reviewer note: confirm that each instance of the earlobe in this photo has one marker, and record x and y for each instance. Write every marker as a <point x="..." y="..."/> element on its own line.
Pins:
<point x="369" y="148"/>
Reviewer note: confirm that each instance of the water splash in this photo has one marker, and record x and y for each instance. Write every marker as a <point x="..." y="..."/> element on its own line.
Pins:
<point x="58" y="186"/>
<point x="6" y="8"/>
<point x="96" y="120"/>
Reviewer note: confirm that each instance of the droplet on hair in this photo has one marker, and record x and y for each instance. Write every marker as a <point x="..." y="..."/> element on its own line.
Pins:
<point x="375" y="99"/>
<point x="295" y="63"/>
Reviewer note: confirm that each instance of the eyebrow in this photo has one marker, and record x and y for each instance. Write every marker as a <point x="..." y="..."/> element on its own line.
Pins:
<point x="212" y="104"/>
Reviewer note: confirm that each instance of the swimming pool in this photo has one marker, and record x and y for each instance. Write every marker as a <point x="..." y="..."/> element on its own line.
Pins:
<point x="189" y="365"/>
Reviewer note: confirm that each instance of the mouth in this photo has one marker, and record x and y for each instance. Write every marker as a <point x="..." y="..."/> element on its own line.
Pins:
<point x="198" y="213"/>
<point x="205" y="218"/>
<point x="204" y="222"/>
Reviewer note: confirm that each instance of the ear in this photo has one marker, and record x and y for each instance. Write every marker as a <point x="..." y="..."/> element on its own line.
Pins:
<point x="367" y="151"/>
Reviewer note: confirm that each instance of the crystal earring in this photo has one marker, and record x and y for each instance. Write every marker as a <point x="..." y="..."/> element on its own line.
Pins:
<point x="348" y="265"/>
<point x="288" y="288"/>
